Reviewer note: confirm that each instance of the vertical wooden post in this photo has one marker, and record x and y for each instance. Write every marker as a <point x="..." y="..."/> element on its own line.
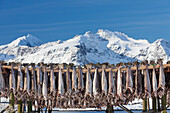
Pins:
<point x="154" y="103"/>
<point x="148" y="107"/>
<point x="163" y="103"/>
<point x="29" y="106"/>
<point x="11" y="99"/>
<point x="49" y="111"/>
<point x="38" y="110"/>
<point x="109" y="109"/>
<point x="144" y="105"/>
<point x="158" y="104"/>
<point x="19" y="106"/>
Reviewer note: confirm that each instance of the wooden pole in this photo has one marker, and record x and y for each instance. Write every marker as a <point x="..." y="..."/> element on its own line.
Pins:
<point x="49" y="111"/>
<point x="154" y="103"/>
<point x="109" y="109"/>
<point x="38" y="110"/>
<point x="29" y="106"/>
<point x="11" y="99"/>
<point x="148" y="107"/>
<point x="158" y="103"/>
<point x="144" y="105"/>
<point x="163" y="103"/>
<point x="19" y="106"/>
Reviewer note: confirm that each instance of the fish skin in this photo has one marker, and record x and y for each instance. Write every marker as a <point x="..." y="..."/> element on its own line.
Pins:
<point x="52" y="82"/>
<point x="104" y="82"/>
<point x="111" y="97"/>
<point x="168" y="97"/>
<point x="129" y="81"/>
<point x="112" y="86"/>
<point x="74" y="80"/>
<point x="80" y="80"/>
<point x="96" y="89"/>
<point x="119" y="84"/>
<point x="154" y="83"/>
<point x="2" y="82"/>
<point x="68" y="81"/>
<point x="161" y="86"/>
<point x="123" y="75"/>
<point x="12" y="79"/>
<point x="34" y="85"/>
<point x="138" y="83"/>
<point x="60" y="84"/>
<point x="39" y="82"/>
<point x="28" y="79"/>
<point x="88" y="84"/>
<point x="147" y="84"/>
<point x="20" y="79"/>
<point x="44" y="87"/>
<point x="68" y="88"/>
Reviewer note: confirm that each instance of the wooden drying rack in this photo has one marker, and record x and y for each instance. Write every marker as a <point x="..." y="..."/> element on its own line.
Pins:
<point x="91" y="70"/>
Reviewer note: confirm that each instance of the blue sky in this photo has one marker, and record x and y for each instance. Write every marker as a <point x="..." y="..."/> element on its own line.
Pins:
<point x="52" y="20"/>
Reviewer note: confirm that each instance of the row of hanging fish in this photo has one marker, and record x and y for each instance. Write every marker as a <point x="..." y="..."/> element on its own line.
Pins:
<point x="81" y="90"/>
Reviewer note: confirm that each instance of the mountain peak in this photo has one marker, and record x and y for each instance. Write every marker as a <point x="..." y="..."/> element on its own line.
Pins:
<point x="28" y="40"/>
<point x="161" y="41"/>
<point x="114" y="35"/>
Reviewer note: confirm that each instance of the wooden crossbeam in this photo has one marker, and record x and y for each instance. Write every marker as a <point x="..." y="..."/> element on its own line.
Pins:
<point x="91" y="70"/>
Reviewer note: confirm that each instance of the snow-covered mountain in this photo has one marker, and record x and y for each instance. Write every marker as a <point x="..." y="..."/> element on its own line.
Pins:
<point x="122" y="44"/>
<point x="19" y="47"/>
<point x="103" y="46"/>
<point x="28" y="40"/>
<point x="159" y="49"/>
<point x="81" y="49"/>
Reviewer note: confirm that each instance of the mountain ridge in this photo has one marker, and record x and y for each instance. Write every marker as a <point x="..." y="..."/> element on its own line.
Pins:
<point x="103" y="46"/>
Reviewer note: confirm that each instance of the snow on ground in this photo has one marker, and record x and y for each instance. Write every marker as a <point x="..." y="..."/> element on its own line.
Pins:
<point x="135" y="105"/>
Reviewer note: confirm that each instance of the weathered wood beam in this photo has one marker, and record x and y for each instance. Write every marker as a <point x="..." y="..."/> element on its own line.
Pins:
<point x="154" y="104"/>
<point x="11" y="99"/>
<point x="91" y="70"/>
<point x="19" y="106"/>
<point x="144" y="105"/>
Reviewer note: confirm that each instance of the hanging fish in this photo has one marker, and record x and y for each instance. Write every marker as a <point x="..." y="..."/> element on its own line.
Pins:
<point x="96" y="88"/>
<point x="20" y="78"/>
<point x="147" y="84"/>
<point x="154" y="82"/>
<point x="68" y="81"/>
<point x="52" y="82"/>
<point x="39" y="81"/>
<point x="119" y="84"/>
<point x="138" y="81"/>
<point x="88" y="84"/>
<point x="168" y="98"/>
<point x="74" y="87"/>
<point x="60" y="98"/>
<point x="34" y="83"/>
<point x="2" y="82"/>
<point x="12" y="79"/>
<point x="28" y="79"/>
<point x="60" y="84"/>
<point x="44" y="87"/>
<point x="27" y="82"/>
<point x="74" y="80"/>
<point x="129" y="82"/>
<point x="161" y="86"/>
<point x="68" y="87"/>
<point x="104" y="82"/>
<point x="80" y="80"/>
<point x="123" y="75"/>
<point x="112" y="86"/>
